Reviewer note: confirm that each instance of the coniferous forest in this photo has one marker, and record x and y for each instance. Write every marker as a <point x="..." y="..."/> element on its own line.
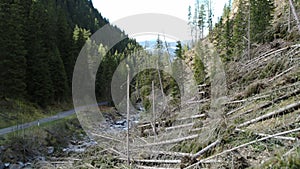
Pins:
<point x="39" y="44"/>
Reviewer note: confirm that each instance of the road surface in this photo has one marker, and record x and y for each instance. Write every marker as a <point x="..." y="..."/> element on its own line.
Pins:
<point x="38" y="122"/>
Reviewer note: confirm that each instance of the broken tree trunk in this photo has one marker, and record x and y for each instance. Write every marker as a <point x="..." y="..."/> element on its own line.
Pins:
<point x="282" y="73"/>
<point x="198" y="154"/>
<point x="268" y="115"/>
<point x="154" y="161"/>
<point x="243" y="145"/>
<point x="172" y="141"/>
<point x="147" y="167"/>
<point x="267" y="104"/>
<point x="179" y="126"/>
<point x="264" y="135"/>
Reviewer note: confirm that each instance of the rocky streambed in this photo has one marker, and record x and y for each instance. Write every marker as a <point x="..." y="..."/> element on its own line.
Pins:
<point x="56" y="147"/>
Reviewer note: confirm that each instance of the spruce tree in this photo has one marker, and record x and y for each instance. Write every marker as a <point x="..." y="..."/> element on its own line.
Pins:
<point x="261" y="15"/>
<point x="65" y="44"/>
<point x="240" y="28"/>
<point x="39" y="84"/>
<point x="58" y="76"/>
<point x="201" y="20"/>
<point x="12" y="50"/>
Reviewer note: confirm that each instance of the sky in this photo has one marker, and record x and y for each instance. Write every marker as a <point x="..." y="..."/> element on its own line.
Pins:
<point x="114" y="10"/>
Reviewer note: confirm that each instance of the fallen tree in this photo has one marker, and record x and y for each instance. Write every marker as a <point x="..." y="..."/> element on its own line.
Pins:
<point x="268" y="115"/>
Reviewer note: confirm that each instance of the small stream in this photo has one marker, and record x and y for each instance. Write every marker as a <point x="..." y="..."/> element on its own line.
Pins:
<point x="79" y="146"/>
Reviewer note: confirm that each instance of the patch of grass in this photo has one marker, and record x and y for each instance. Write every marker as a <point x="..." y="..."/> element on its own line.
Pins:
<point x="34" y="141"/>
<point x="278" y="162"/>
<point x="254" y="88"/>
<point x="13" y="112"/>
<point x="189" y="147"/>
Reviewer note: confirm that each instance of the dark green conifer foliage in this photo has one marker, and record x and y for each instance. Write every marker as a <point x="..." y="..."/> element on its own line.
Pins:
<point x="261" y="15"/>
<point x="39" y="83"/>
<point x="12" y="50"/>
<point x="39" y="45"/>
<point x="58" y="76"/>
<point x="178" y="50"/>
<point x="240" y="28"/>
<point x="65" y="45"/>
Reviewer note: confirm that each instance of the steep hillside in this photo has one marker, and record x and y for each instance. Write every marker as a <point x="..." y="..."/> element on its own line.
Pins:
<point x="244" y="112"/>
<point x="39" y="44"/>
<point x="248" y="104"/>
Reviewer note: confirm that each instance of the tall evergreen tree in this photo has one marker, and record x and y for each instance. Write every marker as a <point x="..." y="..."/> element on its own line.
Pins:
<point x="261" y="15"/>
<point x="12" y="50"/>
<point x="178" y="50"/>
<point x="58" y="76"/>
<point x="240" y="28"/>
<point x="39" y="84"/>
<point x="201" y="20"/>
<point x="65" y="45"/>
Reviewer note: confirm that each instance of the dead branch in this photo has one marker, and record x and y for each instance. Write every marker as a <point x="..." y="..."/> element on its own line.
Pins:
<point x="281" y="88"/>
<point x="198" y="154"/>
<point x="266" y="55"/>
<point x="152" y="161"/>
<point x="172" y="141"/>
<point x="107" y="137"/>
<point x="148" y="124"/>
<point x="117" y="152"/>
<point x="198" y="101"/>
<point x="246" y="100"/>
<point x="235" y="110"/>
<point x="244" y="145"/>
<point x="61" y="162"/>
<point x="264" y="135"/>
<point x="268" y="115"/>
<point x="281" y="74"/>
<point x="259" y="57"/>
<point x="202" y="85"/>
<point x="179" y="126"/>
<point x="267" y="104"/>
<point x="176" y="154"/>
<point x="192" y="117"/>
<point x="158" y="161"/>
<point x="146" y="167"/>
<point x="196" y="129"/>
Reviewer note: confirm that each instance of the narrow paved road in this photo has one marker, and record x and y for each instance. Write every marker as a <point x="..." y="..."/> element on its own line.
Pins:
<point x="58" y="116"/>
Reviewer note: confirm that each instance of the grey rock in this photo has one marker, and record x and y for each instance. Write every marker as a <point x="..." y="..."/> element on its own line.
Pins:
<point x="15" y="166"/>
<point x="21" y="163"/>
<point x="50" y="150"/>
<point x="28" y="164"/>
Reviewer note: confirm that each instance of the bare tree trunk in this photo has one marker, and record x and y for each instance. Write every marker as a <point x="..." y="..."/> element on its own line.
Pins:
<point x="244" y="145"/>
<point x="128" y="85"/>
<point x="153" y="110"/>
<point x="160" y="81"/>
<point x="295" y="14"/>
<point x="172" y="141"/>
<point x="271" y="114"/>
<point x="198" y="154"/>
